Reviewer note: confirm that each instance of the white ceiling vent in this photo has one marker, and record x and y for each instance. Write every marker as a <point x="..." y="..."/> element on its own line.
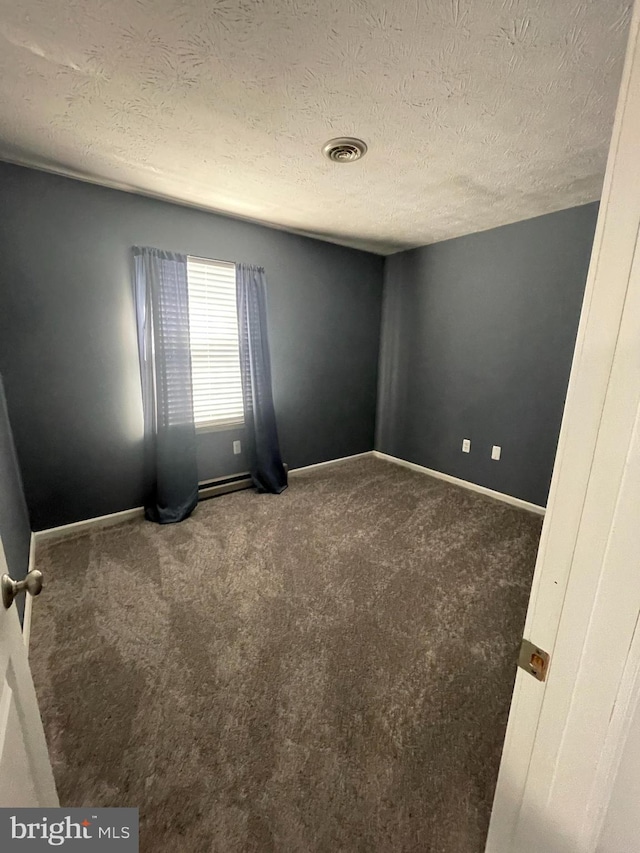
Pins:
<point x="344" y="149"/>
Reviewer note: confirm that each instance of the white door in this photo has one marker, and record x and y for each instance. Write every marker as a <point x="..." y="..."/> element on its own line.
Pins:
<point x="565" y="736"/>
<point x="26" y="778"/>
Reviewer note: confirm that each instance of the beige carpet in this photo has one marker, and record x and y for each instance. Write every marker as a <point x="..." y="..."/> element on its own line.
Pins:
<point x="325" y="671"/>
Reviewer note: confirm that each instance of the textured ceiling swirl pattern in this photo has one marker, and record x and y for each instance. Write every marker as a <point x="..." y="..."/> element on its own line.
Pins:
<point x="476" y="112"/>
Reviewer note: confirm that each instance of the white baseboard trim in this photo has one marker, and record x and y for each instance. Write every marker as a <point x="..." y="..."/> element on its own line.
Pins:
<point x="113" y="518"/>
<point x="329" y="462"/>
<point x="88" y="524"/>
<point x="456" y="481"/>
<point x="28" y="599"/>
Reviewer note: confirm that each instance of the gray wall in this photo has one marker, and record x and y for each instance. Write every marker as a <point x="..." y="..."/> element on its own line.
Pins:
<point x="477" y="342"/>
<point x="14" y="519"/>
<point x="68" y="347"/>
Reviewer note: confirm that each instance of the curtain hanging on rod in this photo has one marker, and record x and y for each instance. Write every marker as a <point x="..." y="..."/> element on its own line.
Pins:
<point x="267" y="471"/>
<point x="162" y="311"/>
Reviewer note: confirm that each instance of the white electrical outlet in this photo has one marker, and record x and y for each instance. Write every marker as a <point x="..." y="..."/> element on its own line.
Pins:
<point x="496" y="450"/>
<point x="237" y="447"/>
<point x="466" y="445"/>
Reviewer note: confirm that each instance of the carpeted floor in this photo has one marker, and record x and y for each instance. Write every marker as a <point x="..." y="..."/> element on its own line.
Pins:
<point x="326" y="671"/>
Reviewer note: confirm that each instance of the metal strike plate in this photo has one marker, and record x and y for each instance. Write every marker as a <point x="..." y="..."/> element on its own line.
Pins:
<point x="534" y="660"/>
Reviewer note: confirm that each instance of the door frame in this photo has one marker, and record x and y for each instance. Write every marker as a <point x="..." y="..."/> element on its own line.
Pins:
<point x="565" y="736"/>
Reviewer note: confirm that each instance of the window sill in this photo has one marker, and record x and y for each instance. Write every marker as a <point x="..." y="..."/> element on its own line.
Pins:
<point x="226" y="426"/>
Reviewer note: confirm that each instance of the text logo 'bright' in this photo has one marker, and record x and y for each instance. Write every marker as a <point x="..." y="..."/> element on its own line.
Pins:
<point x="30" y="829"/>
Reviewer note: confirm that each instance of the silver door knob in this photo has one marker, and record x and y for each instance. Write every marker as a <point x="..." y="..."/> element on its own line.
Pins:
<point x="32" y="583"/>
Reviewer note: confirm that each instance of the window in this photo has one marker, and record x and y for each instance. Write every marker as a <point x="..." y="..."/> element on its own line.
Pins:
<point x="215" y="351"/>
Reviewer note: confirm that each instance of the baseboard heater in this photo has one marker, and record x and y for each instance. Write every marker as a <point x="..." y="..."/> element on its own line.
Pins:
<point x="225" y="485"/>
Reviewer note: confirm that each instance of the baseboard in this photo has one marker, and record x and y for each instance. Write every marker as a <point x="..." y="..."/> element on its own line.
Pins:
<point x="329" y="462"/>
<point x="88" y="524"/>
<point x="28" y="602"/>
<point x="217" y="487"/>
<point x="76" y="527"/>
<point x="456" y="481"/>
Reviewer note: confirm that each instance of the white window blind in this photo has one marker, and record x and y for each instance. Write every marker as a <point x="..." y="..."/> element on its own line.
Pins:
<point x="215" y="353"/>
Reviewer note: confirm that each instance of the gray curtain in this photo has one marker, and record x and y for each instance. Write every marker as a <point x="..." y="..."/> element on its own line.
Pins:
<point x="162" y="310"/>
<point x="267" y="471"/>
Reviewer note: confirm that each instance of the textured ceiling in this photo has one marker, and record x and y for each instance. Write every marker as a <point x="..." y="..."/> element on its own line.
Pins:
<point x="476" y="112"/>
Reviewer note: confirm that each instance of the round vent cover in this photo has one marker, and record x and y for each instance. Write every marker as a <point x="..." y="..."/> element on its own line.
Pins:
<point x="344" y="149"/>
